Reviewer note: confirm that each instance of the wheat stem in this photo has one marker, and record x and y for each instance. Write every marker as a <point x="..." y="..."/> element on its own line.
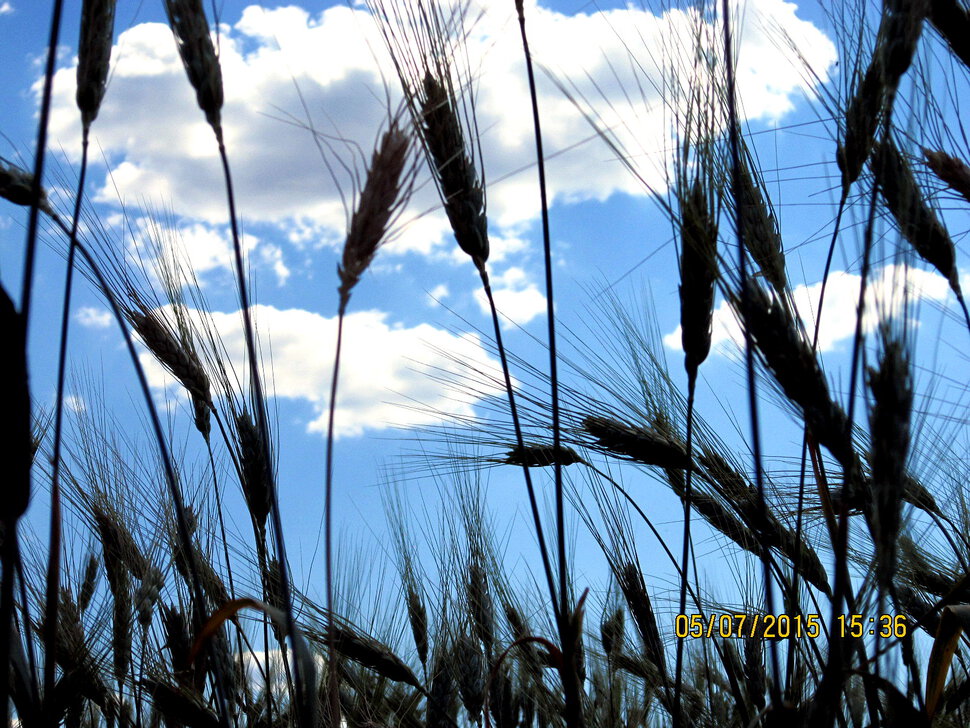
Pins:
<point x="736" y="186"/>
<point x="574" y="711"/>
<point x="20" y="485"/>
<point x="54" y="553"/>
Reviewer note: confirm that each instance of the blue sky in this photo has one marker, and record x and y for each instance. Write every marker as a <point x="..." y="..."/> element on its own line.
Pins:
<point x="421" y="297"/>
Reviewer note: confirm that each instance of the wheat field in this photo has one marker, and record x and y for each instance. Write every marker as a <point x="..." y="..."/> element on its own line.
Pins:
<point x="814" y="570"/>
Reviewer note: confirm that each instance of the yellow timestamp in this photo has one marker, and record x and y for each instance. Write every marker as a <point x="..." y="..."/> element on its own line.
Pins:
<point x="786" y="626"/>
<point x="740" y="624"/>
<point x="885" y="626"/>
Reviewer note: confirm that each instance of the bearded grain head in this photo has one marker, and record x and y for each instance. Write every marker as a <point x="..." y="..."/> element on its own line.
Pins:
<point x="367" y="651"/>
<point x="191" y="30"/>
<point x="418" y="620"/>
<point x="630" y="580"/>
<point x="714" y="512"/>
<point x="698" y="274"/>
<point x="861" y="119"/>
<point x="458" y="180"/>
<point x="480" y="602"/>
<point x="537" y="455"/>
<point x="94" y="56"/>
<point x="639" y="444"/>
<point x="950" y="169"/>
<point x="471" y="669"/>
<point x="385" y="190"/>
<point x="917" y="221"/>
<point x="760" y="231"/>
<point x="889" y="419"/>
<point x="254" y="470"/>
<point x="180" y="358"/>
<point x="16" y="186"/>
<point x="612" y="632"/>
<point x="896" y="41"/>
<point x="795" y="367"/>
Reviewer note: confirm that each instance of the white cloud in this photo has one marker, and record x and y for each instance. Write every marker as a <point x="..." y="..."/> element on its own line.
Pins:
<point x="517" y="298"/>
<point x="500" y="249"/>
<point x="337" y="59"/>
<point x="94" y="318"/>
<point x="272" y="255"/>
<point x="386" y="368"/>
<point x="884" y="299"/>
<point x="6" y="8"/>
<point x="159" y="240"/>
<point x="438" y="293"/>
<point x="75" y="403"/>
<point x="203" y="247"/>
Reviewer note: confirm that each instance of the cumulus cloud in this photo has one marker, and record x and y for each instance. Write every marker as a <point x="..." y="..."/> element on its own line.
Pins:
<point x="159" y="241"/>
<point x="517" y="298"/>
<point x="336" y="57"/>
<point x="6" y="8"/>
<point x="93" y="318"/>
<point x="890" y="290"/>
<point x="386" y="368"/>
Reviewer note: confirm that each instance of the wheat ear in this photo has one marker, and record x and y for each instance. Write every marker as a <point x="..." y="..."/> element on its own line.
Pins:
<point x="191" y="30"/>
<point x="917" y="221"/>
<point x="951" y="170"/>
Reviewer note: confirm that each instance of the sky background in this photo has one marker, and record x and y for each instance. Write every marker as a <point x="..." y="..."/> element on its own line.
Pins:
<point x="417" y="317"/>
